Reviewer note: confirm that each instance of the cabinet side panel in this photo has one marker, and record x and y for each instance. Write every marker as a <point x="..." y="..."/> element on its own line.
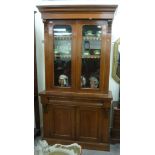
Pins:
<point x="106" y="125"/>
<point x="48" y="54"/>
<point x="107" y="48"/>
<point x="46" y="121"/>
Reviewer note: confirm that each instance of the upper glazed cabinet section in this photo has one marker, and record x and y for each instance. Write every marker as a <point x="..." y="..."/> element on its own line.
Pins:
<point x="77" y="51"/>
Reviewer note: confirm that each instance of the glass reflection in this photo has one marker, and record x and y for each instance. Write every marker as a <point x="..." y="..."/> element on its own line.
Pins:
<point x="62" y="55"/>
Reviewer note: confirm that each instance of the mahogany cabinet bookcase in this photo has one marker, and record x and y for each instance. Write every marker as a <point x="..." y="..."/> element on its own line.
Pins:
<point x="76" y="102"/>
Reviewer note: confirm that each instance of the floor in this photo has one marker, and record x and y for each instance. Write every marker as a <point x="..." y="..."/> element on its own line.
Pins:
<point x="114" y="150"/>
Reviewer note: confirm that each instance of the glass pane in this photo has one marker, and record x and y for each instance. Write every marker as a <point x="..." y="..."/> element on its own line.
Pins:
<point x="91" y="50"/>
<point x="62" y="55"/>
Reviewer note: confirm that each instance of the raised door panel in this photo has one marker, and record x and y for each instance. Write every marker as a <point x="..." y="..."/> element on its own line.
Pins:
<point x="88" y="124"/>
<point x="63" y="122"/>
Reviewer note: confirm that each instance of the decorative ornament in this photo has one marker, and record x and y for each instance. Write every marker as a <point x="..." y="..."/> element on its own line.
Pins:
<point x="93" y="82"/>
<point x="83" y="81"/>
<point x="63" y="80"/>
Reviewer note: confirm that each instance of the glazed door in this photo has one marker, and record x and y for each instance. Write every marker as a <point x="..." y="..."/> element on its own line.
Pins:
<point x="60" y="38"/>
<point x="92" y="53"/>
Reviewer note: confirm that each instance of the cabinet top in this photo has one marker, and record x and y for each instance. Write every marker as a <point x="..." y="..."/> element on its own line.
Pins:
<point x="77" y="11"/>
<point x="77" y="7"/>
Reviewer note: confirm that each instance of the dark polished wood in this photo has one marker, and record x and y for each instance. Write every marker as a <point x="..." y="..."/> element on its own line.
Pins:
<point x="77" y="114"/>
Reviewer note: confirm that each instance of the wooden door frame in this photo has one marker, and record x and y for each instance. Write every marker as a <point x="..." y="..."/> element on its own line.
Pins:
<point x="104" y="55"/>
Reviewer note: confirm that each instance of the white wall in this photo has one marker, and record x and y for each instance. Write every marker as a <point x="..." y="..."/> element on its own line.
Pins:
<point x="113" y="86"/>
<point x="39" y="29"/>
<point x="78" y="2"/>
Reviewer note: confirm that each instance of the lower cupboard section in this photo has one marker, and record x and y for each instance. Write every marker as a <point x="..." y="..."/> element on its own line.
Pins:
<point x="86" y="125"/>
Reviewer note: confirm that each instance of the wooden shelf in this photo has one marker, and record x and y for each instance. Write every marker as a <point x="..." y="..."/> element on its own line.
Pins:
<point x="62" y="37"/>
<point x="83" y="57"/>
<point x="63" y="57"/>
<point x="91" y="57"/>
<point x="91" y="38"/>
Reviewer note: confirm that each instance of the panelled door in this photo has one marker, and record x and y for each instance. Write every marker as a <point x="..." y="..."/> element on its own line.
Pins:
<point x="89" y="121"/>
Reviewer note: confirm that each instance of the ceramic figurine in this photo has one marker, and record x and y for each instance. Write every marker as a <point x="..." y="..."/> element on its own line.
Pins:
<point x="93" y="82"/>
<point x="83" y="81"/>
<point x="63" y="80"/>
